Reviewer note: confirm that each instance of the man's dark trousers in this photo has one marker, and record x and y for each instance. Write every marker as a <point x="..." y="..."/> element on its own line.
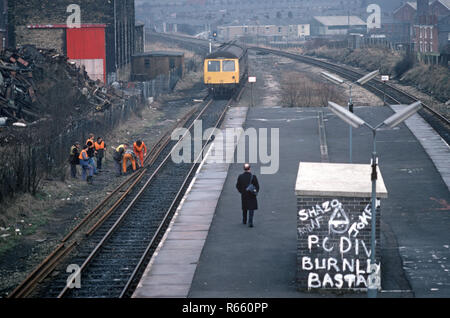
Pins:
<point x="250" y="217"/>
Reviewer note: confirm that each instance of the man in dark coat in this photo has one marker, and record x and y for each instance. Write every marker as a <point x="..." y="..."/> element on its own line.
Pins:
<point x="249" y="201"/>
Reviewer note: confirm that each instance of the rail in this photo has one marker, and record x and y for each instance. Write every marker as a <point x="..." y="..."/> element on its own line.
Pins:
<point x="76" y="235"/>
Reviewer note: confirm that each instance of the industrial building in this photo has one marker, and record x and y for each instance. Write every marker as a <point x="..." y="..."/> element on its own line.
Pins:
<point x="3" y="23"/>
<point x="99" y="35"/>
<point x="337" y="25"/>
<point x="147" y="66"/>
<point x="273" y="31"/>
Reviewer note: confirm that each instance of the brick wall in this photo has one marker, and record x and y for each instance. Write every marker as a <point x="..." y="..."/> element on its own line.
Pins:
<point x="333" y="243"/>
<point x="426" y="38"/>
<point x="42" y="38"/>
<point x="405" y="14"/>
<point x="438" y="9"/>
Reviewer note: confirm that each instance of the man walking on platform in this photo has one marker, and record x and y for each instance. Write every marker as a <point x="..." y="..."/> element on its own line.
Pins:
<point x="140" y="150"/>
<point x="248" y="186"/>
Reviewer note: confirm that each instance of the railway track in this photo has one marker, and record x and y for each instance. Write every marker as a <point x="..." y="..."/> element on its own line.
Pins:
<point x="113" y="243"/>
<point x="393" y="95"/>
<point x="440" y="123"/>
<point x="93" y="220"/>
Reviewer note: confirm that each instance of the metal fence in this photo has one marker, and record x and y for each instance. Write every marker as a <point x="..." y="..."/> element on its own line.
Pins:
<point x="160" y="85"/>
<point x="42" y="151"/>
<point x="164" y="84"/>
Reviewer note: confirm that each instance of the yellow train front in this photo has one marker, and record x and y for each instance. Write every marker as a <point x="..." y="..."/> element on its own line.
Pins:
<point x="225" y="69"/>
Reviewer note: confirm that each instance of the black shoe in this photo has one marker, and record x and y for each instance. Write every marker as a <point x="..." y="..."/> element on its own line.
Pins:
<point x="244" y="221"/>
<point x="250" y="225"/>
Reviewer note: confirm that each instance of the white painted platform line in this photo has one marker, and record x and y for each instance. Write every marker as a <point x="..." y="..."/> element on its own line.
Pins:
<point x="172" y="266"/>
<point x="434" y="145"/>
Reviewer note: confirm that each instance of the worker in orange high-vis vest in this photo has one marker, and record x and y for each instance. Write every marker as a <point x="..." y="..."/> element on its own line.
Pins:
<point x="128" y="156"/>
<point x="140" y="149"/>
<point x="85" y="165"/>
<point x="100" y="149"/>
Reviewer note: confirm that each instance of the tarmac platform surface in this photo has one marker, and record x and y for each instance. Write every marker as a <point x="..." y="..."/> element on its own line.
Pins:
<point x="237" y="261"/>
<point x="261" y="262"/>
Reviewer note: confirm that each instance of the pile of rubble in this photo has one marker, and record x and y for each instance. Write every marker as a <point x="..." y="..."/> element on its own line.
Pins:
<point x="35" y="83"/>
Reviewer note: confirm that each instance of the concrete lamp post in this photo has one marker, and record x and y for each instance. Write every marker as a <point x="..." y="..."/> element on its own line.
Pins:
<point x="339" y="81"/>
<point x="356" y="122"/>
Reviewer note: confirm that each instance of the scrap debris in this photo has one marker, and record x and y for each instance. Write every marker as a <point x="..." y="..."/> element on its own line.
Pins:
<point x="27" y="76"/>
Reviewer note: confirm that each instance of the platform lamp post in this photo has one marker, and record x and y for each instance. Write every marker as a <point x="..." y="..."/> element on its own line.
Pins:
<point x="339" y="81"/>
<point x="391" y="122"/>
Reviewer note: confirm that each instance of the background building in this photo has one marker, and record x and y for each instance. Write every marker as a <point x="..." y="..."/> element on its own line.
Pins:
<point x="3" y="24"/>
<point x="426" y="27"/>
<point x="149" y="65"/>
<point x="337" y="25"/>
<point x="406" y="12"/>
<point x="139" y="34"/>
<point x="272" y="32"/>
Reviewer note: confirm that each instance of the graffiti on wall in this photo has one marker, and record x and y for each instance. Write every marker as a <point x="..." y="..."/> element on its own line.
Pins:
<point x="337" y="254"/>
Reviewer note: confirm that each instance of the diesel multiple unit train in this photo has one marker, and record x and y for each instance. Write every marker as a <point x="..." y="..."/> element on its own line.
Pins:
<point x="225" y="69"/>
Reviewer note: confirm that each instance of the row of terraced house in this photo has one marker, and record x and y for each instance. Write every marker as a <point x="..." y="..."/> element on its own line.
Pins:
<point x="421" y="26"/>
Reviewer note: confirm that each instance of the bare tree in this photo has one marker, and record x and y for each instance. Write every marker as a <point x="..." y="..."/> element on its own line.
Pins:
<point x="303" y="90"/>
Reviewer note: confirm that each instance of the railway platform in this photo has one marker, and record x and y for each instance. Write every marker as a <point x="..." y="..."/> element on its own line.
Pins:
<point x="236" y="261"/>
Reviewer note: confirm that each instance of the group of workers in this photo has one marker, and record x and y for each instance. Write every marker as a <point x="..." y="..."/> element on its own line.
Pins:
<point x="84" y="156"/>
<point x="124" y="154"/>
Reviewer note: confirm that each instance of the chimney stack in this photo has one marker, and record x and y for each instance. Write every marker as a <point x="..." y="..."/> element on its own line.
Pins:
<point x="422" y="10"/>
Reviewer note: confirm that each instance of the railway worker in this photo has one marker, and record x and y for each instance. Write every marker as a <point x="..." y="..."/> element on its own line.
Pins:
<point x="91" y="149"/>
<point x="85" y="165"/>
<point x="140" y="149"/>
<point x="118" y="157"/>
<point x="129" y="155"/>
<point x="248" y="186"/>
<point x="91" y="153"/>
<point x="73" y="159"/>
<point x="124" y="146"/>
<point x="100" y="148"/>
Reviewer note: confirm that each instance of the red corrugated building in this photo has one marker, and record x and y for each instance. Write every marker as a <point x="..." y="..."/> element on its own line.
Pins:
<point x="86" y="46"/>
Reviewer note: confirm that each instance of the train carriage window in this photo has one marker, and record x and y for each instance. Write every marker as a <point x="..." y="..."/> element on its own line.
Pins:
<point x="228" y="66"/>
<point x="213" y="66"/>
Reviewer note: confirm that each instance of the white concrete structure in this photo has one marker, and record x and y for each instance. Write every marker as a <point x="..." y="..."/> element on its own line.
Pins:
<point x="337" y="179"/>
